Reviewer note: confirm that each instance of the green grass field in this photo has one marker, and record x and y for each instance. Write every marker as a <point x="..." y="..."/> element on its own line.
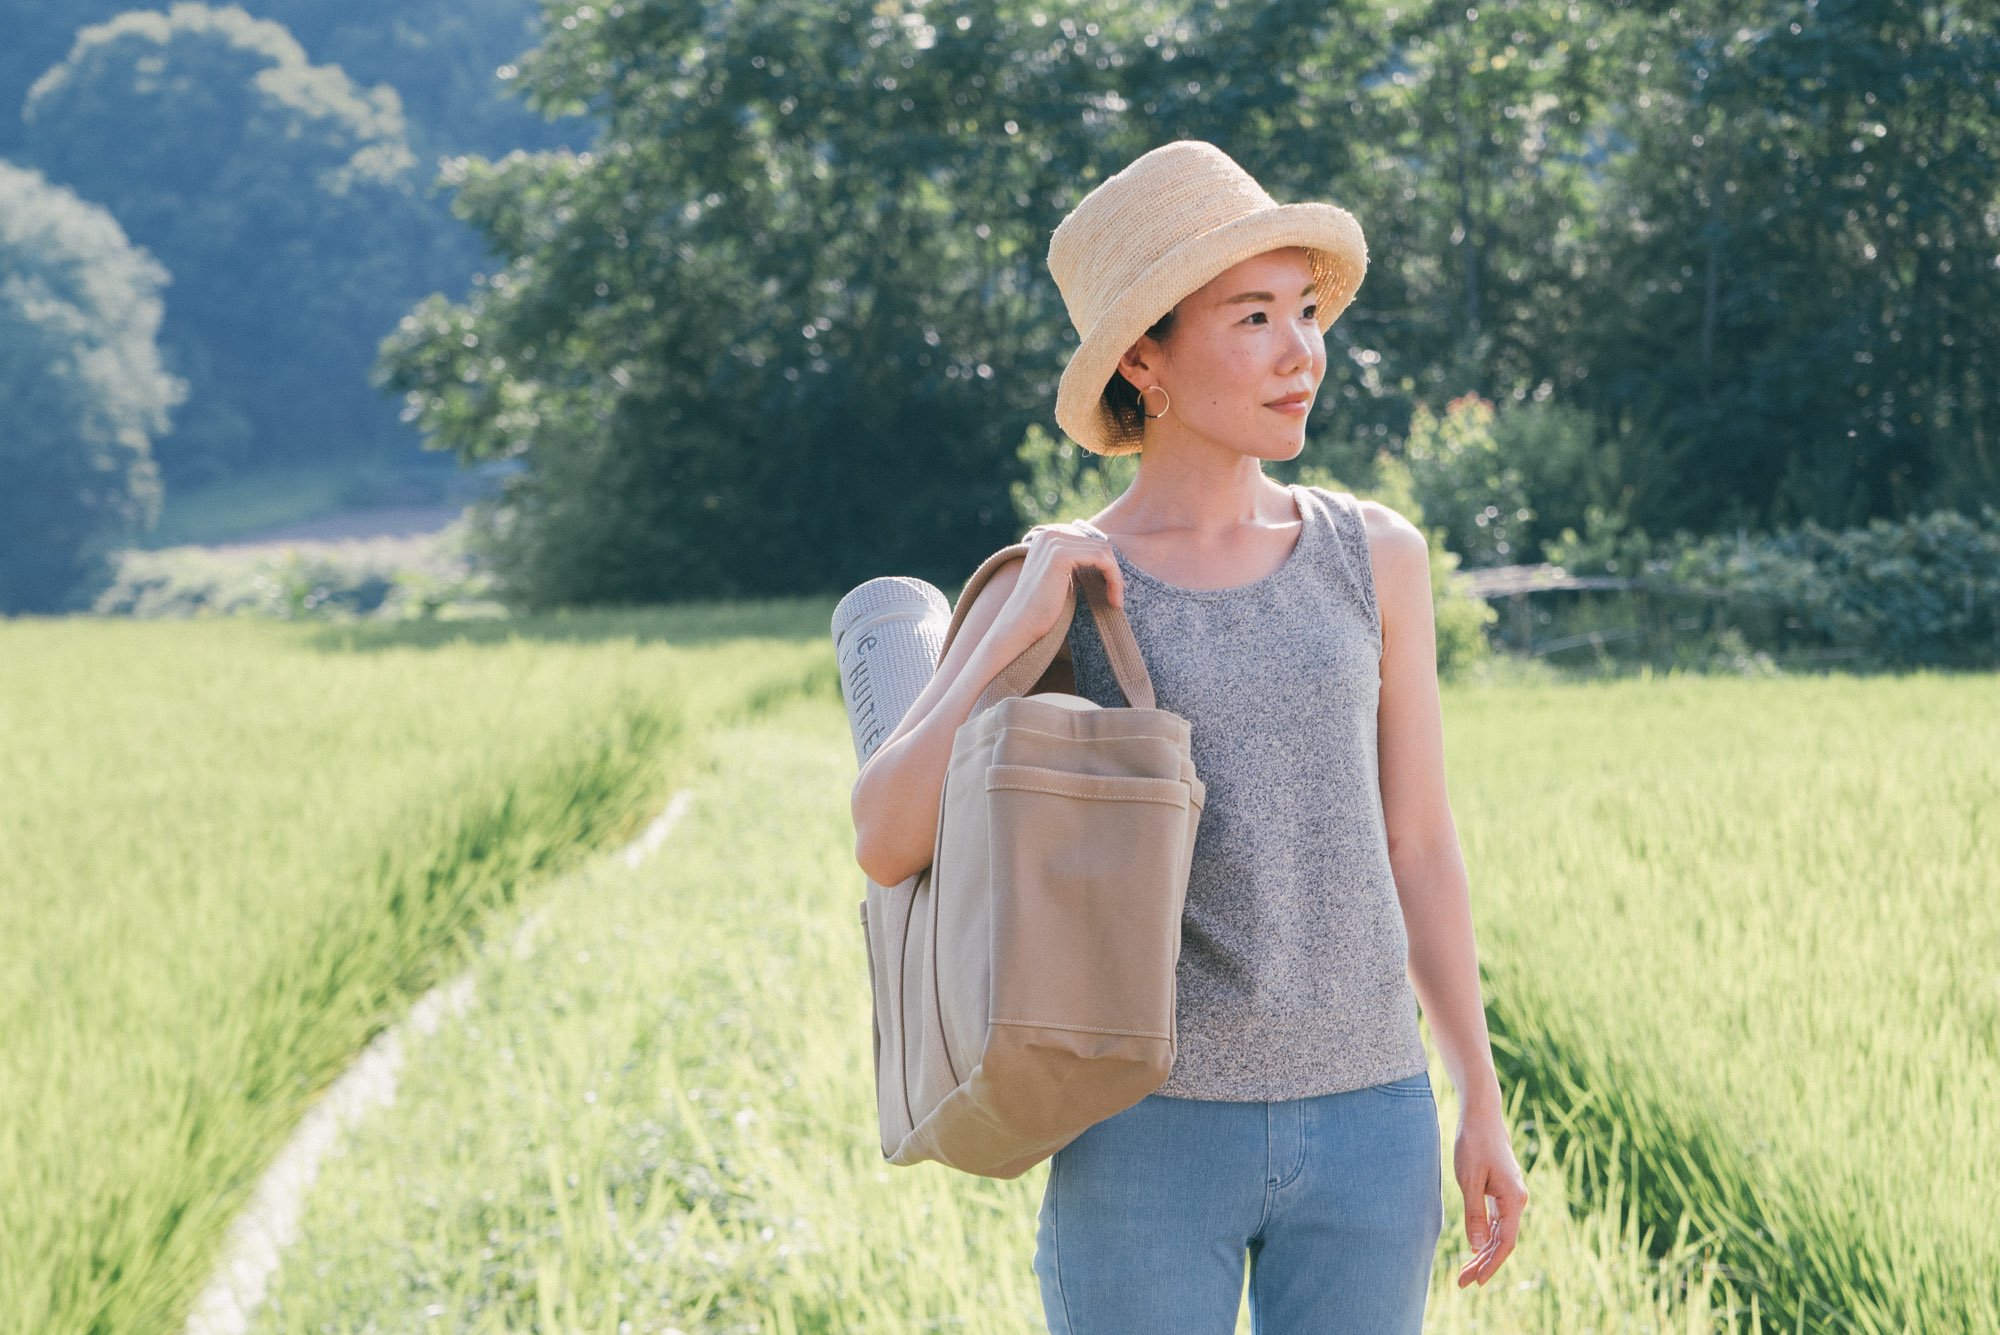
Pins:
<point x="658" y="1116"/>
<point x="1738" y="956"/>
<point x="236" y="849"/>
<point x="248" y="501"/>
<point x="1744" y="934"/>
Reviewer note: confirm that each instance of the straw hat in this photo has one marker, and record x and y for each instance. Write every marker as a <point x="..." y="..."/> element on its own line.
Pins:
<point x="1158" y="230"/>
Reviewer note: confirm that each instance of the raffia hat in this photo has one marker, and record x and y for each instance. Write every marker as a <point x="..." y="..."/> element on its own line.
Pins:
<point x="1161" y="228"/>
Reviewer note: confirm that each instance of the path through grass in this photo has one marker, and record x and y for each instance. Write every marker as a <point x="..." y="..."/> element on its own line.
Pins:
<point x="236" y="849"/>
<point x="660" y="1118"/>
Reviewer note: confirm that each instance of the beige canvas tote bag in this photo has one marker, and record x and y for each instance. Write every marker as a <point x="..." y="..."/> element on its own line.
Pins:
<point x="1023" y="983"/>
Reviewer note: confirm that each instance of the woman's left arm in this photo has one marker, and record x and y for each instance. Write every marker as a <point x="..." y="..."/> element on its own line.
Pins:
<point x="1432" y="886"/>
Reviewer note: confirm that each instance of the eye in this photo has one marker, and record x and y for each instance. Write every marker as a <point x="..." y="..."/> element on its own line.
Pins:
<point x="1254" y="315"/>
<point x="1312" y="310"/>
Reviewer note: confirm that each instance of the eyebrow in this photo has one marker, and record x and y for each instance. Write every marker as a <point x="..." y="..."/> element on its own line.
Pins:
<point x="1261" y="296"/>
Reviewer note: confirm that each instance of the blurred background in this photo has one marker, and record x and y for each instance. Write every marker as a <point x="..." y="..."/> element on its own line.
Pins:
<point x="1681" y="324"/>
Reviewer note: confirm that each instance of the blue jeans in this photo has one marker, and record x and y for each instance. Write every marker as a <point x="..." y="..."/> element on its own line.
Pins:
<point x="1146" y="1216"/>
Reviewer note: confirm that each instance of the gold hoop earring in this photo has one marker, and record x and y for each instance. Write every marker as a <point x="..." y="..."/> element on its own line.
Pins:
<point x="1154" y="417"/>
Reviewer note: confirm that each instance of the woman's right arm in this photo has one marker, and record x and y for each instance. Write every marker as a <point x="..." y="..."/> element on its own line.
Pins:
<point x="895" y="799"/>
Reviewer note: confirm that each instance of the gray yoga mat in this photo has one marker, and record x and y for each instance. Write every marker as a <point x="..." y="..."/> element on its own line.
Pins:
<point x="888" y="635"/>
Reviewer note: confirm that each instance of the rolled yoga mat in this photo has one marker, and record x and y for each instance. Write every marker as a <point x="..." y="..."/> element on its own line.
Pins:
<point x="888" y="635"/>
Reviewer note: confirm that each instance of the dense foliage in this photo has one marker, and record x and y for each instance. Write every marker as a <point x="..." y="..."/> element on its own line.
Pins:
<point x="82" y="389"/>
<point x="285" y="202"/>
<point x="785" y="325"/>
<point x="1923" y="592"/>
<point x="785" y="322"/>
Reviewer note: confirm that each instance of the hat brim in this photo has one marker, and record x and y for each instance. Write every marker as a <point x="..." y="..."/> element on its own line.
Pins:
<point x="1339" y="259"/>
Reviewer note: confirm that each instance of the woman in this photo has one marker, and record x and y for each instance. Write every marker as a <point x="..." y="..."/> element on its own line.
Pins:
<point x="1292" y="627"/>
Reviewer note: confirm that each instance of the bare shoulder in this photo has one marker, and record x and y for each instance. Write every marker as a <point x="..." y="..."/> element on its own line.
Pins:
<point x="1390" y="535"/>
<point x="1399" y="558"/>
<point x="1395" y="544"/>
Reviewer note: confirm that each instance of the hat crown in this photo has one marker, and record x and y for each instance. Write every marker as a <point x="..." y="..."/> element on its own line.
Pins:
<point x="1134" y="218"/>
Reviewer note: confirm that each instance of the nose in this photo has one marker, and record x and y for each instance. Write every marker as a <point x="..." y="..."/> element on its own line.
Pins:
<point x="1302" y="349"/>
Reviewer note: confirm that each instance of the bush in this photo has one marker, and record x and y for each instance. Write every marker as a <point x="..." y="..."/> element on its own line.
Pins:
<point x="1500" y="481"/>
<point x="1923" y="592"/>
<point x="1609" y="545"/>
<point x="1066" y="481"/>
<point x="1569" y="476"/>
<point x="1477" y="498"/>
<point x="384" y="579"/>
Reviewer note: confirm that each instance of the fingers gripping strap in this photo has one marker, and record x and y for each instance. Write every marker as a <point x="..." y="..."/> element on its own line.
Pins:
<point x="1121" y="647"/>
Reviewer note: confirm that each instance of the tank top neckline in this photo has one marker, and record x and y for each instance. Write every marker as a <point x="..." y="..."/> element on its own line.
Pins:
<point x="1297" y="555"/>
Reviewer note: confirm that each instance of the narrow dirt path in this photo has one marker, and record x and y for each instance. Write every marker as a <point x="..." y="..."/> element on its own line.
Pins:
<point x="270" y="1222"/>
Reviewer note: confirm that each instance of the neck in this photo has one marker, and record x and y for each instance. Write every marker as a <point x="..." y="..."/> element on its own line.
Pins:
<point x="1207" y="493"/>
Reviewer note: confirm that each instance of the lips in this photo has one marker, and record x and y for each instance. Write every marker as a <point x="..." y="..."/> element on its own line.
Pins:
<point x="1288" y="401"/>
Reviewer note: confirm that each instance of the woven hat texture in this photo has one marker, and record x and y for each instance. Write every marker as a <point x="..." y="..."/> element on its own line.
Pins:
<point x="1158" y="230"/>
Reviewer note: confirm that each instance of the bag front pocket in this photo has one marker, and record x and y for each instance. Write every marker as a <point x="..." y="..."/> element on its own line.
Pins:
<point x="1089" y="883"/>
<point x="1105" y="787"/>
<point x="1112" y="755"/>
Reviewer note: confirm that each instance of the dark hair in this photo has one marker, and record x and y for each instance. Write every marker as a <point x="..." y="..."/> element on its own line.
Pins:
<point x="1121" y="397"/>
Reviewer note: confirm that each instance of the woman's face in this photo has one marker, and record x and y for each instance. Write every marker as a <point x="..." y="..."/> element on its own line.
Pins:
<point x="1240" y="347"/>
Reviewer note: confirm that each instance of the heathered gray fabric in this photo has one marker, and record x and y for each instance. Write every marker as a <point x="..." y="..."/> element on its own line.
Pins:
<point x="1293" y="978"/>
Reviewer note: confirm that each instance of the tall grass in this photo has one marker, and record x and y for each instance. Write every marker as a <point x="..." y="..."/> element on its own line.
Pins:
<point x="658" y="1116"/>
<point x="1740" y="944"/>
<point x="1737" y="935"/>
<point x="233" y="851"/>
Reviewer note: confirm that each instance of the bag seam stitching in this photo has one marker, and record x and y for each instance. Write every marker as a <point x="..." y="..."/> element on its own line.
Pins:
<point x="1095" y="737"/>
<point x="1080" y="1028"/>
<point x="1161" y="799"/>
<point x="903" y="1019"/>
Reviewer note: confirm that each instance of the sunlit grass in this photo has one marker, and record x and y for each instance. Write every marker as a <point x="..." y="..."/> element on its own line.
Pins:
<point x="1741" y="941"/>
<point x="249" y="500"/>
<point x="658" y="1115"/>
<point x="1738" y="954"/>
<point x="234" y="850"/>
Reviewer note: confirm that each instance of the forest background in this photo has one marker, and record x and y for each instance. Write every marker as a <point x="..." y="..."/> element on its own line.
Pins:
<point x="751" y="299"/>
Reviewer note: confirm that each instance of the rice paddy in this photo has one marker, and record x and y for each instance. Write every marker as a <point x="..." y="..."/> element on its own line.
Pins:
<point x="1739" y="943"/>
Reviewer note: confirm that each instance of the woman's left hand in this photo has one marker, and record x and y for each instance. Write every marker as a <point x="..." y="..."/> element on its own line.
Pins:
<point x="1483" y="1162"/>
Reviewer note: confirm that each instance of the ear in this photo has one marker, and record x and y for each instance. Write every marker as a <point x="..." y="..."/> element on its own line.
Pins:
<point x="1137" y="364"/>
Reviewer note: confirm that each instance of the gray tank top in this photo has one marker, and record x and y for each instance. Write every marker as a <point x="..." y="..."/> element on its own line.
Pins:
<point x="1293" y="978"/>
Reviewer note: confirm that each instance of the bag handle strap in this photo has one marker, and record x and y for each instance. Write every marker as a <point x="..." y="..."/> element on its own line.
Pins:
<point x="1121" y="647"/>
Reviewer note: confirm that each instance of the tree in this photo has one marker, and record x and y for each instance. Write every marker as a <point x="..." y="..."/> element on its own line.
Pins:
<point x="442" y="56"/>
<point x="825" y="368"/>
<point x="1794" y="300"/>
<point x="82" y="392"/>
<point x="787" y="322"/>
<point x="285" y="201"/>
<point x="788" y="319"/>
